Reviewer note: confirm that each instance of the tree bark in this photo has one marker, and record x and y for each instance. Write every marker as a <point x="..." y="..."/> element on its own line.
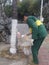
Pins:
<point x="14" y="15"/>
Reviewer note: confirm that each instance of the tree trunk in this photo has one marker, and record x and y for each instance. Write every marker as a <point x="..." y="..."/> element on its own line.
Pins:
<point x="14" y="15"/>
<point x="0" y="8"/>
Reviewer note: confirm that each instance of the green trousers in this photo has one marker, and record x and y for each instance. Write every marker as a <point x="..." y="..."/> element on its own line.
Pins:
<point x="35" y="48"/>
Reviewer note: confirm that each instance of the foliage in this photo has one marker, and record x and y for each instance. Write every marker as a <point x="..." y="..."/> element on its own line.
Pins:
<point x="29" y="6"/>
<point x="46" y="14"/>
<point x="8" y="10"/>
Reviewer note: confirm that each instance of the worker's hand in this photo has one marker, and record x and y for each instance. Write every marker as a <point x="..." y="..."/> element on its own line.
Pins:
<point x="18" y="34"/>
<point x="25" y="37"/>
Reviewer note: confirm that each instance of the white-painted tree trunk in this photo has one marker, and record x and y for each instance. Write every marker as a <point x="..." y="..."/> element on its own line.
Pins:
<point x="13" y="48"/>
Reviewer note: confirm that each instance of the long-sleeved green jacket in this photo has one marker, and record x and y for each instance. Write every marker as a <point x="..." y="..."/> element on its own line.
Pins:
<point x="38" y="31"/>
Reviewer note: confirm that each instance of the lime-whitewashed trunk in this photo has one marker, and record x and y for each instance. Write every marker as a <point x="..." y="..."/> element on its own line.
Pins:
<point x="13" y="48"/>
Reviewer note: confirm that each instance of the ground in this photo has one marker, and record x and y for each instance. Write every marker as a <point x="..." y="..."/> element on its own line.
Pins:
<point x="43" y="55"/>
<point x="44" y="52"/>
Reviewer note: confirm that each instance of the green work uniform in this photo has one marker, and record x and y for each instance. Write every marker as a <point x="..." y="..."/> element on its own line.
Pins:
<point x="38" y="34"/>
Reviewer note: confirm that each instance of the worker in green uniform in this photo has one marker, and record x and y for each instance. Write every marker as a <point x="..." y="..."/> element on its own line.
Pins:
<point x="38" y="34"/>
